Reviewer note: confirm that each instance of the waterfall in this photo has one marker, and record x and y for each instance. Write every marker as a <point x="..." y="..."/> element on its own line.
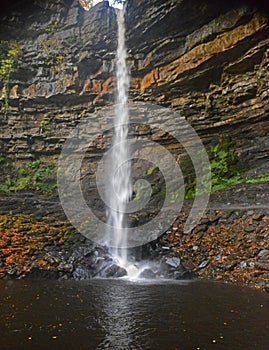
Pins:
<point x="120" y="186"/>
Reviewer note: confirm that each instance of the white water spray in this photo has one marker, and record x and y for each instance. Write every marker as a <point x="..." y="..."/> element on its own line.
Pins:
<point x="120" y="187"/>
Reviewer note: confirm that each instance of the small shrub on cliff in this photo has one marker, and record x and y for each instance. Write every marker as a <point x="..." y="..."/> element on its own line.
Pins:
<point x="86" y="4"/>
<point x="224" y="166"/>
<point x="53" y="55"/>
<point x="9" y="58"/>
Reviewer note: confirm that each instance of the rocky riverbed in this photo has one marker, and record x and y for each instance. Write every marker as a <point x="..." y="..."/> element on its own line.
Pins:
<point x="231" y="243"/>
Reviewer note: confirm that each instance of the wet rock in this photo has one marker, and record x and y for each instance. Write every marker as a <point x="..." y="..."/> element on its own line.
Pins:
<point x="173" y="262"/>
<point x="164" y="269"/>
<point x="147" y="274"/>
<point x="63" y="266"/>
<point x="165" y="248"/>
<point x="262" y="266"/>
<point x="100" y="263"/>
<point x="81" y="253"/>
<point x="258" y="216"/>
<point x="242" y="264"/>
<point x="81" y="273"/>
<point x="263" y="255"/>
<point x="13" y="272"/>
<point x="184" y="275"/>
<point x="42" y="273"/>
<point x="170" y="268"/>
<point x="188" y="264"/>
<point x="249" y="229"/>
<point x="64" y="278"/>
<point x="200" y="228"/>
<point x="188" y="275"/>
<point x="178" y="275"/>
<point x="113" y="271"/>
<point x="203" y="264"/>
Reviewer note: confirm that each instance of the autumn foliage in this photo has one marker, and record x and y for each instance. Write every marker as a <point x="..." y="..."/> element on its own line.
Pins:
<point x="228" y="245"/>
<point x="24" y="241"/>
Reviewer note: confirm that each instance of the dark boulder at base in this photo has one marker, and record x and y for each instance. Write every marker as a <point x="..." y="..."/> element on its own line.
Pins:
<point x="81" y="273"/>
<point x="113" y="271"/>
<point x="147" y="274"/>
<point x="185" y="275"/>
<point x="43" y="273"/>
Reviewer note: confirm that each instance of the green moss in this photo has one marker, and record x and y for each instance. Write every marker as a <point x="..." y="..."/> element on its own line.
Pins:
<point x="35" y="163"/>
<point x="37" y="175"/>
<point x="45" y="177"/>
<point x="225" y="183"/>
<point x="258" y="179"/>
<point x="151" y="170"/>
<point x="23" y="172"/>
<point x="21" y="183"/>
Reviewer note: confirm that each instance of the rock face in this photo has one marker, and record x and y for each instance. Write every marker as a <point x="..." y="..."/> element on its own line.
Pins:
<point x="208" y="60"/>
<point x="66" y="58"/>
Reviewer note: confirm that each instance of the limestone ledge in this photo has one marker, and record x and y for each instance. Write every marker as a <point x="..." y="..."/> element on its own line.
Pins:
<point x="202" y="53"/>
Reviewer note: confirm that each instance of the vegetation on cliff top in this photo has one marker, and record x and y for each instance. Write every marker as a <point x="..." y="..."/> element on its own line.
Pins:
<point x="87" y="4"/>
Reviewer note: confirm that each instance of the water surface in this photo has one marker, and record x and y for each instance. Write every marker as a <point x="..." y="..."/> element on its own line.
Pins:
<point x="117" y="314"/>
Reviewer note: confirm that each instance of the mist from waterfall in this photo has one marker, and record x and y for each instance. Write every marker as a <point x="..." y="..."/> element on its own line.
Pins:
<point x="120" y="186"/>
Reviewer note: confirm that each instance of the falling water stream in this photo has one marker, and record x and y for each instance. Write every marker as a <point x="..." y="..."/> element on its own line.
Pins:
<point x="120" y="186"/>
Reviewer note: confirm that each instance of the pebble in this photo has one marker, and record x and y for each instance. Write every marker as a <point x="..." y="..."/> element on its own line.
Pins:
<point x="203" y="264"/>
<point x="174" y="262"/>
<point x="257" y="216"/>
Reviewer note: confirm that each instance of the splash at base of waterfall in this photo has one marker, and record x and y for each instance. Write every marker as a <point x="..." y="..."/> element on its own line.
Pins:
<point x="133" y="270"/>
<point x="144" y="270"/>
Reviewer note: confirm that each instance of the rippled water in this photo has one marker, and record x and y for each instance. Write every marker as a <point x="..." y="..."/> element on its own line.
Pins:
<point x="117" y="314"/>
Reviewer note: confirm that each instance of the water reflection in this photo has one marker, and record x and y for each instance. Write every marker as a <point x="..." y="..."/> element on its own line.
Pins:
<point x="117" y="315"/>
<point x="121" y="319"/>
